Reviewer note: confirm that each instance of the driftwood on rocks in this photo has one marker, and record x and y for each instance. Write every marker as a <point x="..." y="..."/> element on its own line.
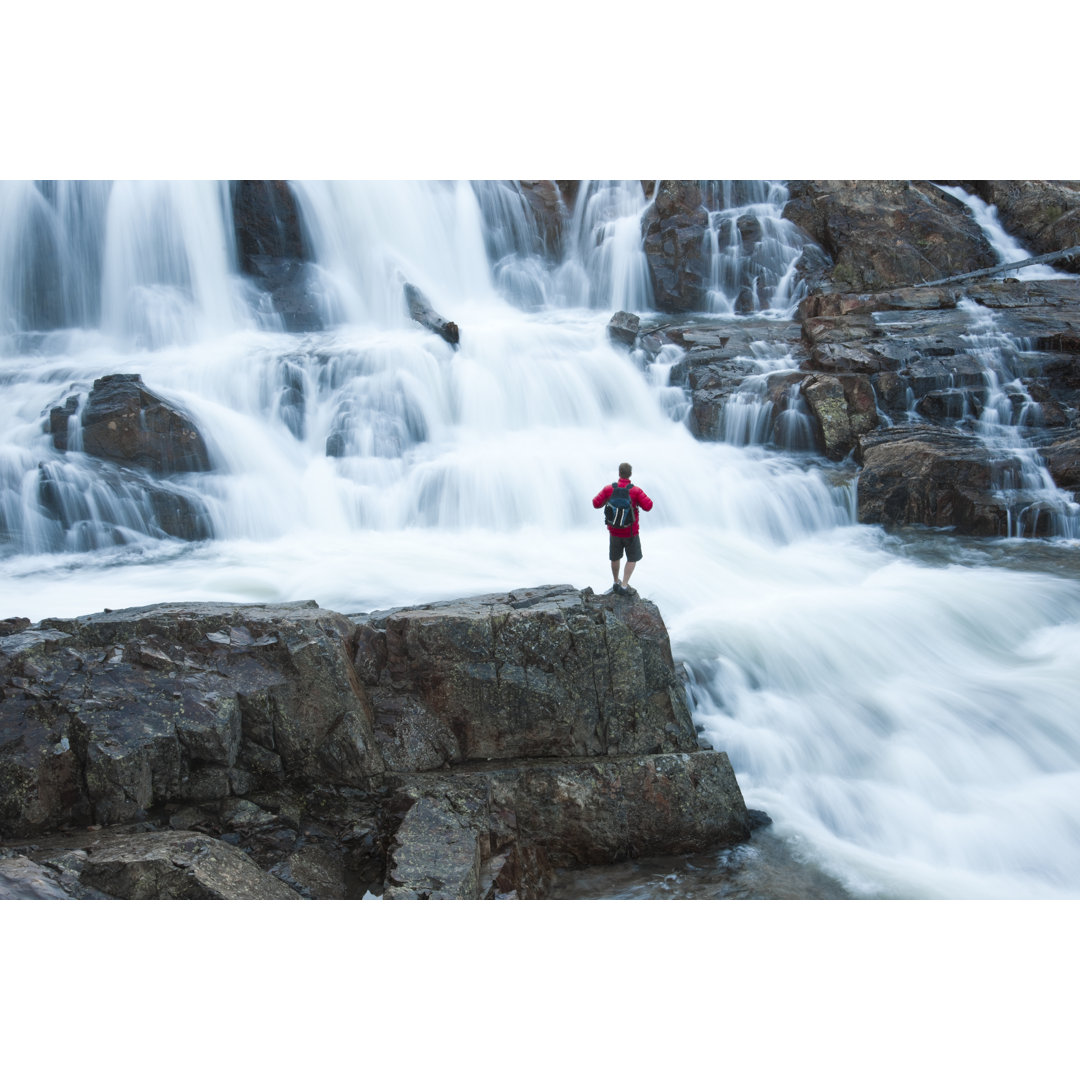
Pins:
<point x="1050" y="257"/>
<point x="421" y="311"/>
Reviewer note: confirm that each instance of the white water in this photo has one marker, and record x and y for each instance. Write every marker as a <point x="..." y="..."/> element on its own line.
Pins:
<point x="906" y="721"/>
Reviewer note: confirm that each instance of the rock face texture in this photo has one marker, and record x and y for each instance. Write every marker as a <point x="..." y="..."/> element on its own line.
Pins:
<point x="885" y="233"/>
<point x="1044" y="214"/>
<point x="459" y="749"/>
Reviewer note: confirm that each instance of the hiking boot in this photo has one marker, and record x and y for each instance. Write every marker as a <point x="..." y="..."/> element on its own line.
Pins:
<point x="620" y="590"/>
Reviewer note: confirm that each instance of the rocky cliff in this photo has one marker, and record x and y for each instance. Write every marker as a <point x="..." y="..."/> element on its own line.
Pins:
<point x="455" y="750"/>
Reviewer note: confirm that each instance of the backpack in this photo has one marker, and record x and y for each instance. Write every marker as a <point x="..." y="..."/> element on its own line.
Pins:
<point x="619" y="510"/>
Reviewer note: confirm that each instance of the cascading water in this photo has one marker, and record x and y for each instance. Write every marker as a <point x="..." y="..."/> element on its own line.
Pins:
<point x="753" y="251"/>
<point x="902" y="710"/>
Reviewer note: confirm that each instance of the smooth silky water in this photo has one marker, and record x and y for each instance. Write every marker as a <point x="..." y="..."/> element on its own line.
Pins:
<point x="903" y="707"/>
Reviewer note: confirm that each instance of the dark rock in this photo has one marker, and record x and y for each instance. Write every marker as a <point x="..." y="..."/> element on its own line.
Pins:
<point x="623" y="328"/>
<point x="23" y="879"/>
<point x="293" y="289"/>
<point x="672" y="228"/>
<point x="58" y="424"/>
<point x="547" y="672"/>
<point x="1043" y="214"/>
<point x="1063" y="461"/>
<point x="125" y="422"/>
<point x="316" y="872"/>
<point x="14" y="625"/>
<point x="886" y="233"/>
<point x="825" y="396"/>
<point x="173" y="866"/>
<point x="548" y="210"/>
<point x="267" y="223"/>
<point x="919" y="475"/>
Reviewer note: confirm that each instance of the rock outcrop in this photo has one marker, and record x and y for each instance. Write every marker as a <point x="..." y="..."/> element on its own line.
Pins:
<point x="456" y="749"/>
<point x="1043" y="214"/>
<point x="882" y="234"/>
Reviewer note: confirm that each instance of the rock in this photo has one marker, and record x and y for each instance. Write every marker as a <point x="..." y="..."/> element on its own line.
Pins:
<point x="826" y="398"/>
<point x="15" y="625"/>
<point x="546" y="672"/>
<point x="125" y="422"/>
<point x="267" y="223"/>
<point x="1043" y="214"/>
<point x="174" y="866"/>
<point x="673" y="228"/>
<point x="421" y="311"/>
<point x="549" y="213"/>
<point x="96" y="726"/>
<point x="23" y="879"/>
<point x="59" y="422"/>
<point x="294" y="288"/>
<point x="623" y="328"/>
<point x="919" y="475"/>
<point x="1063" y="461"/>
<point x="453" y="749"/>
<point x="887" y="233"/>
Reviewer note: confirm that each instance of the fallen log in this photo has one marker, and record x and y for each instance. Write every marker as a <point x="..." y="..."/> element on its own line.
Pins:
<point x="421" y="311"/>
<point x="1052" y="256"/>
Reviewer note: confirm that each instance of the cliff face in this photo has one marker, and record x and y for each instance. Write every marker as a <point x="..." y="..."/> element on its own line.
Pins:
<point x="453" y="750"/>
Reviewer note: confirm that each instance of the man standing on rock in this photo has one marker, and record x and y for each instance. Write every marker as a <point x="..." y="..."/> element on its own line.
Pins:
<point x="622" y="522"/>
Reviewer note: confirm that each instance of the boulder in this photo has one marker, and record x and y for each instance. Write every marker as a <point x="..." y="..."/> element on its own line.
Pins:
<point x="623" y="327"/>
<point x="921" y="475"/>
<point x="548" y="210"/>
<point x="886" y="233"/>
<point x="125" y="422"/>
<point x="1063" y="462"/>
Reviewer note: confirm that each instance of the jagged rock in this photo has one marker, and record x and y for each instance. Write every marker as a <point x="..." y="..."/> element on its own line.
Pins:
<point x="623" y="328"/>
<point x="542" y="727"/>
<point x="549" y="213"/>
<point x="14" y="625"/>
<point x="887" y="233"/>
<point x="920" y="475"/>
<point x="125" y="422"/>
<point x="108" y="715"/>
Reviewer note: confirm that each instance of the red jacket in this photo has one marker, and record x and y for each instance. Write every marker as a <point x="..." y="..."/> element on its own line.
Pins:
<point x="638" y="499"/>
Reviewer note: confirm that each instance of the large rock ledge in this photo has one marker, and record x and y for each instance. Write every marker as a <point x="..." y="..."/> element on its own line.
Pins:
<point x="453" y="750"/>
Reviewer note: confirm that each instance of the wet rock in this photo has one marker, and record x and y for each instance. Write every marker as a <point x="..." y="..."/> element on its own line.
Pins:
<point x="293" y="288"/>
<point x="826" y="398"/>
<point x="267" y="223"/>
<point x="886" y="233"/>
<point x="59" y="422"/>
<point x="623" y="328"/>
<point x="673" y="228"/>
<point x="921" y="475"/>
<point x="549" y="213"/>
<point x="1063" y="461"/>
<point x="316" y="872"/>
<point x="125" y="422"/>
<point x="1043" y="214"/>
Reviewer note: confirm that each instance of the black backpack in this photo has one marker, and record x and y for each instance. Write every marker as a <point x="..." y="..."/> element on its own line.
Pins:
<point x="619" y="510"/>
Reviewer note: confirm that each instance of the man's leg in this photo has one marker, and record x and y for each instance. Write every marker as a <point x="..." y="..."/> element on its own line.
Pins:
<point x="615" y="563"/>
<point x="629" y="570"/>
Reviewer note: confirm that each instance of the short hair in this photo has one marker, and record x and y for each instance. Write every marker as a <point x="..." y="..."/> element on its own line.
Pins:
<point x="625" y="471"/>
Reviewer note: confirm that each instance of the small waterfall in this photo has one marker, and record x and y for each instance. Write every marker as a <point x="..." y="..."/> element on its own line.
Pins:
<point x="1037" y="507"/>
<point x="1005" y="246"/>
<point x="752" y="250"/>
<point x="605" y="264"/>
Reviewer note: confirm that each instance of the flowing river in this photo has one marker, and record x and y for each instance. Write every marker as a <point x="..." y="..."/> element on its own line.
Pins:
<point x="902" y="706"/>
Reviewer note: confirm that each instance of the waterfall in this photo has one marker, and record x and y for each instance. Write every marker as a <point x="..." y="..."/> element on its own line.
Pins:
<point x="752" y="250"/>
<point x="901" y="708"/>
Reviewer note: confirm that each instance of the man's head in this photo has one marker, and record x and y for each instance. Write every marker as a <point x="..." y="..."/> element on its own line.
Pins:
<point x="625" y="471"/>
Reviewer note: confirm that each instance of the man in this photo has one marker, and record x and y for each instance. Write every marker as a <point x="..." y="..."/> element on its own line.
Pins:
<point x="624" y="539"/>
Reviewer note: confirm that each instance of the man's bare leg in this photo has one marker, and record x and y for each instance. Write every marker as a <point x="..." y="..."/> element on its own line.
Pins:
<point x="626" y="574"/>
<point x="615" y="563"/>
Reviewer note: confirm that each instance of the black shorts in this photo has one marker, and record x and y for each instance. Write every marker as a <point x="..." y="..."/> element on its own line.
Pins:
<point x="617" y="545"/>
